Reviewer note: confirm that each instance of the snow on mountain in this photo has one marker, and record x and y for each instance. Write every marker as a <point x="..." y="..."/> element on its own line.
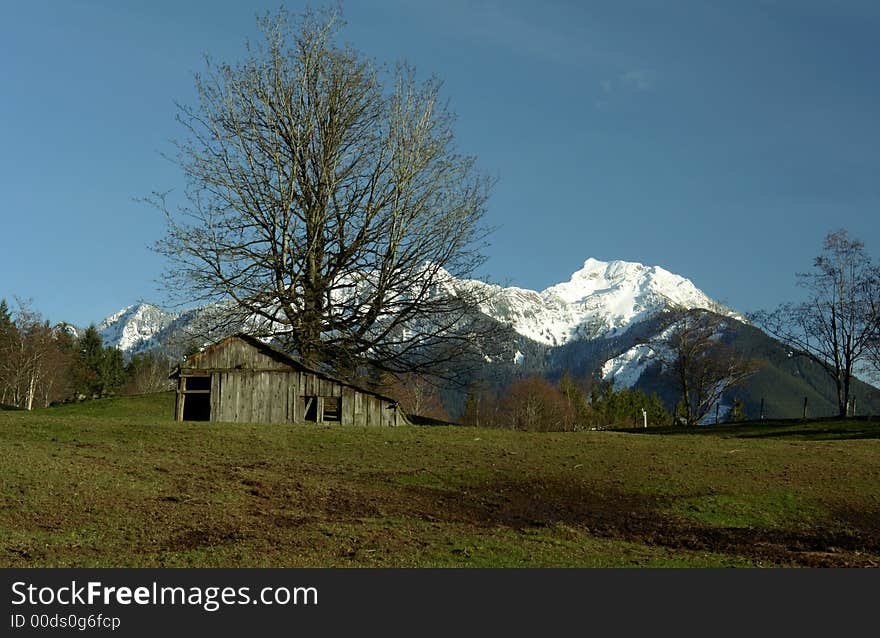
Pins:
<point x="602" y="299"/>
<point x="135" y="328"/>
<point x="625" y="369"/>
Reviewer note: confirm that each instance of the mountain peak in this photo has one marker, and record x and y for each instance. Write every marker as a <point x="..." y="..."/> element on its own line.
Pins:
<point x="601" y="299"/>
<point x="596" y="276"/>
<point x="134" y="327"/>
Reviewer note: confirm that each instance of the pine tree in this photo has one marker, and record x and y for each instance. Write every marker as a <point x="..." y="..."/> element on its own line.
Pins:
<point x="8" y="338"/>
<point x="99" y="370"/>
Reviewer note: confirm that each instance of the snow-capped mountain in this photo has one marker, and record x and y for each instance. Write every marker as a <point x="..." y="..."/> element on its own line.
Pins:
<point x="599" y="321"/>
<point x="135" y="328"/>
<point x="602" y="299"/>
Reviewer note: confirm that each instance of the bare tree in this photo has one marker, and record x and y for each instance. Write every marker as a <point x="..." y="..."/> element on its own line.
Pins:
<point x="535" y="404"/>
<point x="704" y="368"/>
<point x="327" y="205"/>
<point x="873" y="347"/>
<point x="480" y="405"/>
<point x="34" y="363"/>
<point x="147" y="373"/>
<point x="417" y="394"/>
<point x="838" y="323"/>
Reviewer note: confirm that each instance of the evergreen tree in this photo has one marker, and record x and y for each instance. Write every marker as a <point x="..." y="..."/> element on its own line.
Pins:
<point x="99" y="370"/>
<point x="623" y="408"/>
<point x="8" y="339"/>
<point x="112" y="371"/>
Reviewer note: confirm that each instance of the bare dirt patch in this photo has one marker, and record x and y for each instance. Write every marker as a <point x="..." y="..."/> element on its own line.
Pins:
<point x="606" y="513"/>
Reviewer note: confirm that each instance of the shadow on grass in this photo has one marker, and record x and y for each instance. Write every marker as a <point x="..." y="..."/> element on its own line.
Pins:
<point x="606" y="513"/>
<point x="9" y="408"/>
<point x="825" y="429"/>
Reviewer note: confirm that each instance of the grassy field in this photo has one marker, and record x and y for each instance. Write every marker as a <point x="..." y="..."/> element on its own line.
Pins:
<point x="117" y="483"/>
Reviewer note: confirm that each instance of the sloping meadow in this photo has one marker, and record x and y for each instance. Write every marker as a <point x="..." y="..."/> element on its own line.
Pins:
<point x="118" y="483"/>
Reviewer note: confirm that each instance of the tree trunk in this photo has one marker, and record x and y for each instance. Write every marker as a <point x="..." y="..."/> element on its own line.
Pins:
<point x="32" y="389"/>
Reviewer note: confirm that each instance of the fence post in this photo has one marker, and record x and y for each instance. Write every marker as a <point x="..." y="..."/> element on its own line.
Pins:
<point x="762" y="408"/>
<point x="805" y="408"/>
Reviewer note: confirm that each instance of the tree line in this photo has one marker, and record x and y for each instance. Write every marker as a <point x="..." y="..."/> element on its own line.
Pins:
<point x="42" y="364"/>
<point x="536" y="404"/>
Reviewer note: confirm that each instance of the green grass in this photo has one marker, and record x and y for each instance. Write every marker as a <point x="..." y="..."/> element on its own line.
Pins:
<point x="116" y="482"/>
<point x="825" y="429"/>
<point x="770" y="510"/>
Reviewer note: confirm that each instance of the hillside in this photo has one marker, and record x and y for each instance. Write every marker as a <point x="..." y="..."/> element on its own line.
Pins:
<point x="117" y="483"/>
<point x="783" y="380"/>
<point x="591" y="324"/>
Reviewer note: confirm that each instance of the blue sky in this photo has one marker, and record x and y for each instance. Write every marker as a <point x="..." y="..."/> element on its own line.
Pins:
<point x="720" y="140"/>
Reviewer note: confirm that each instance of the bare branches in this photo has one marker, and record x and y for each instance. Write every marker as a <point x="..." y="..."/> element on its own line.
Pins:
<point x="324" y="208"/>
<point x="33" y="358"/>
<point x="704" y="368"/>
<point x="838" y="326"/>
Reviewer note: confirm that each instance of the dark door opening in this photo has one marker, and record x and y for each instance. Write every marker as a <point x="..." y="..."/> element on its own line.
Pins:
<point x="310" y="409"/>
<point x="197" y="398"/>
<point x="197" y="407"/>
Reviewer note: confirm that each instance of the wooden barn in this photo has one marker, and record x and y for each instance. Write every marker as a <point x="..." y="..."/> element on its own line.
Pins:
<point x="243" y="380"/>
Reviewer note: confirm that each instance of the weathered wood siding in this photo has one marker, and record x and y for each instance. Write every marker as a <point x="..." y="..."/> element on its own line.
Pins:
<point x="242" y="396"/>
<point x="230" y="354"/>
<point x="248" y="385"/>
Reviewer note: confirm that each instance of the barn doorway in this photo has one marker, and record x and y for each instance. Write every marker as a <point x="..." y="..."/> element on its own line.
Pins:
<point x="310" y="409"/>
<point x="197" y="399"/>
<point x="332" y="409"/>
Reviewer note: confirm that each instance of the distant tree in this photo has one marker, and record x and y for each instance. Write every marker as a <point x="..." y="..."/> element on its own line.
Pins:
<point x="577" y="399"/>
<point x="9" y="338"/>
<point x="31" y="362"/>
<point x="837" y="325"/>
<point x="98" y="370"/>
<point x="623" y="408"/>
<point x="58" y="381"/>
<point x="417" y="395"/>
<point x="703" y="367"/>
<point x="36" y="346"/>
<point x="534" y="404"/>
<point x="874" y="359"/>
<point x="328" y="206"/>
<point x="5" y="316"/>
<point x="737" y="411"/>
<point x="873" y="347"/>
<point x="146" y="373"/>
<point x="480" y="405"/>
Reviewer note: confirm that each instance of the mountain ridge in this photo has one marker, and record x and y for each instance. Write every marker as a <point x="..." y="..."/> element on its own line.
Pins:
<point x="596" y="322"/>
<point x="599" y="300"/>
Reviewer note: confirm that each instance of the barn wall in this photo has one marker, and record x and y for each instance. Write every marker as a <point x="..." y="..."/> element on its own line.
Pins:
<point x="245" y="396"/>
<point x="255" y="397"/>
<point x="250" y="386"/>
<point x="230" y="354"/>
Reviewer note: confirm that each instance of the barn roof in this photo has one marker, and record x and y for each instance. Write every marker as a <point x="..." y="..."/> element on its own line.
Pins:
<point x="284" y="359"/>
